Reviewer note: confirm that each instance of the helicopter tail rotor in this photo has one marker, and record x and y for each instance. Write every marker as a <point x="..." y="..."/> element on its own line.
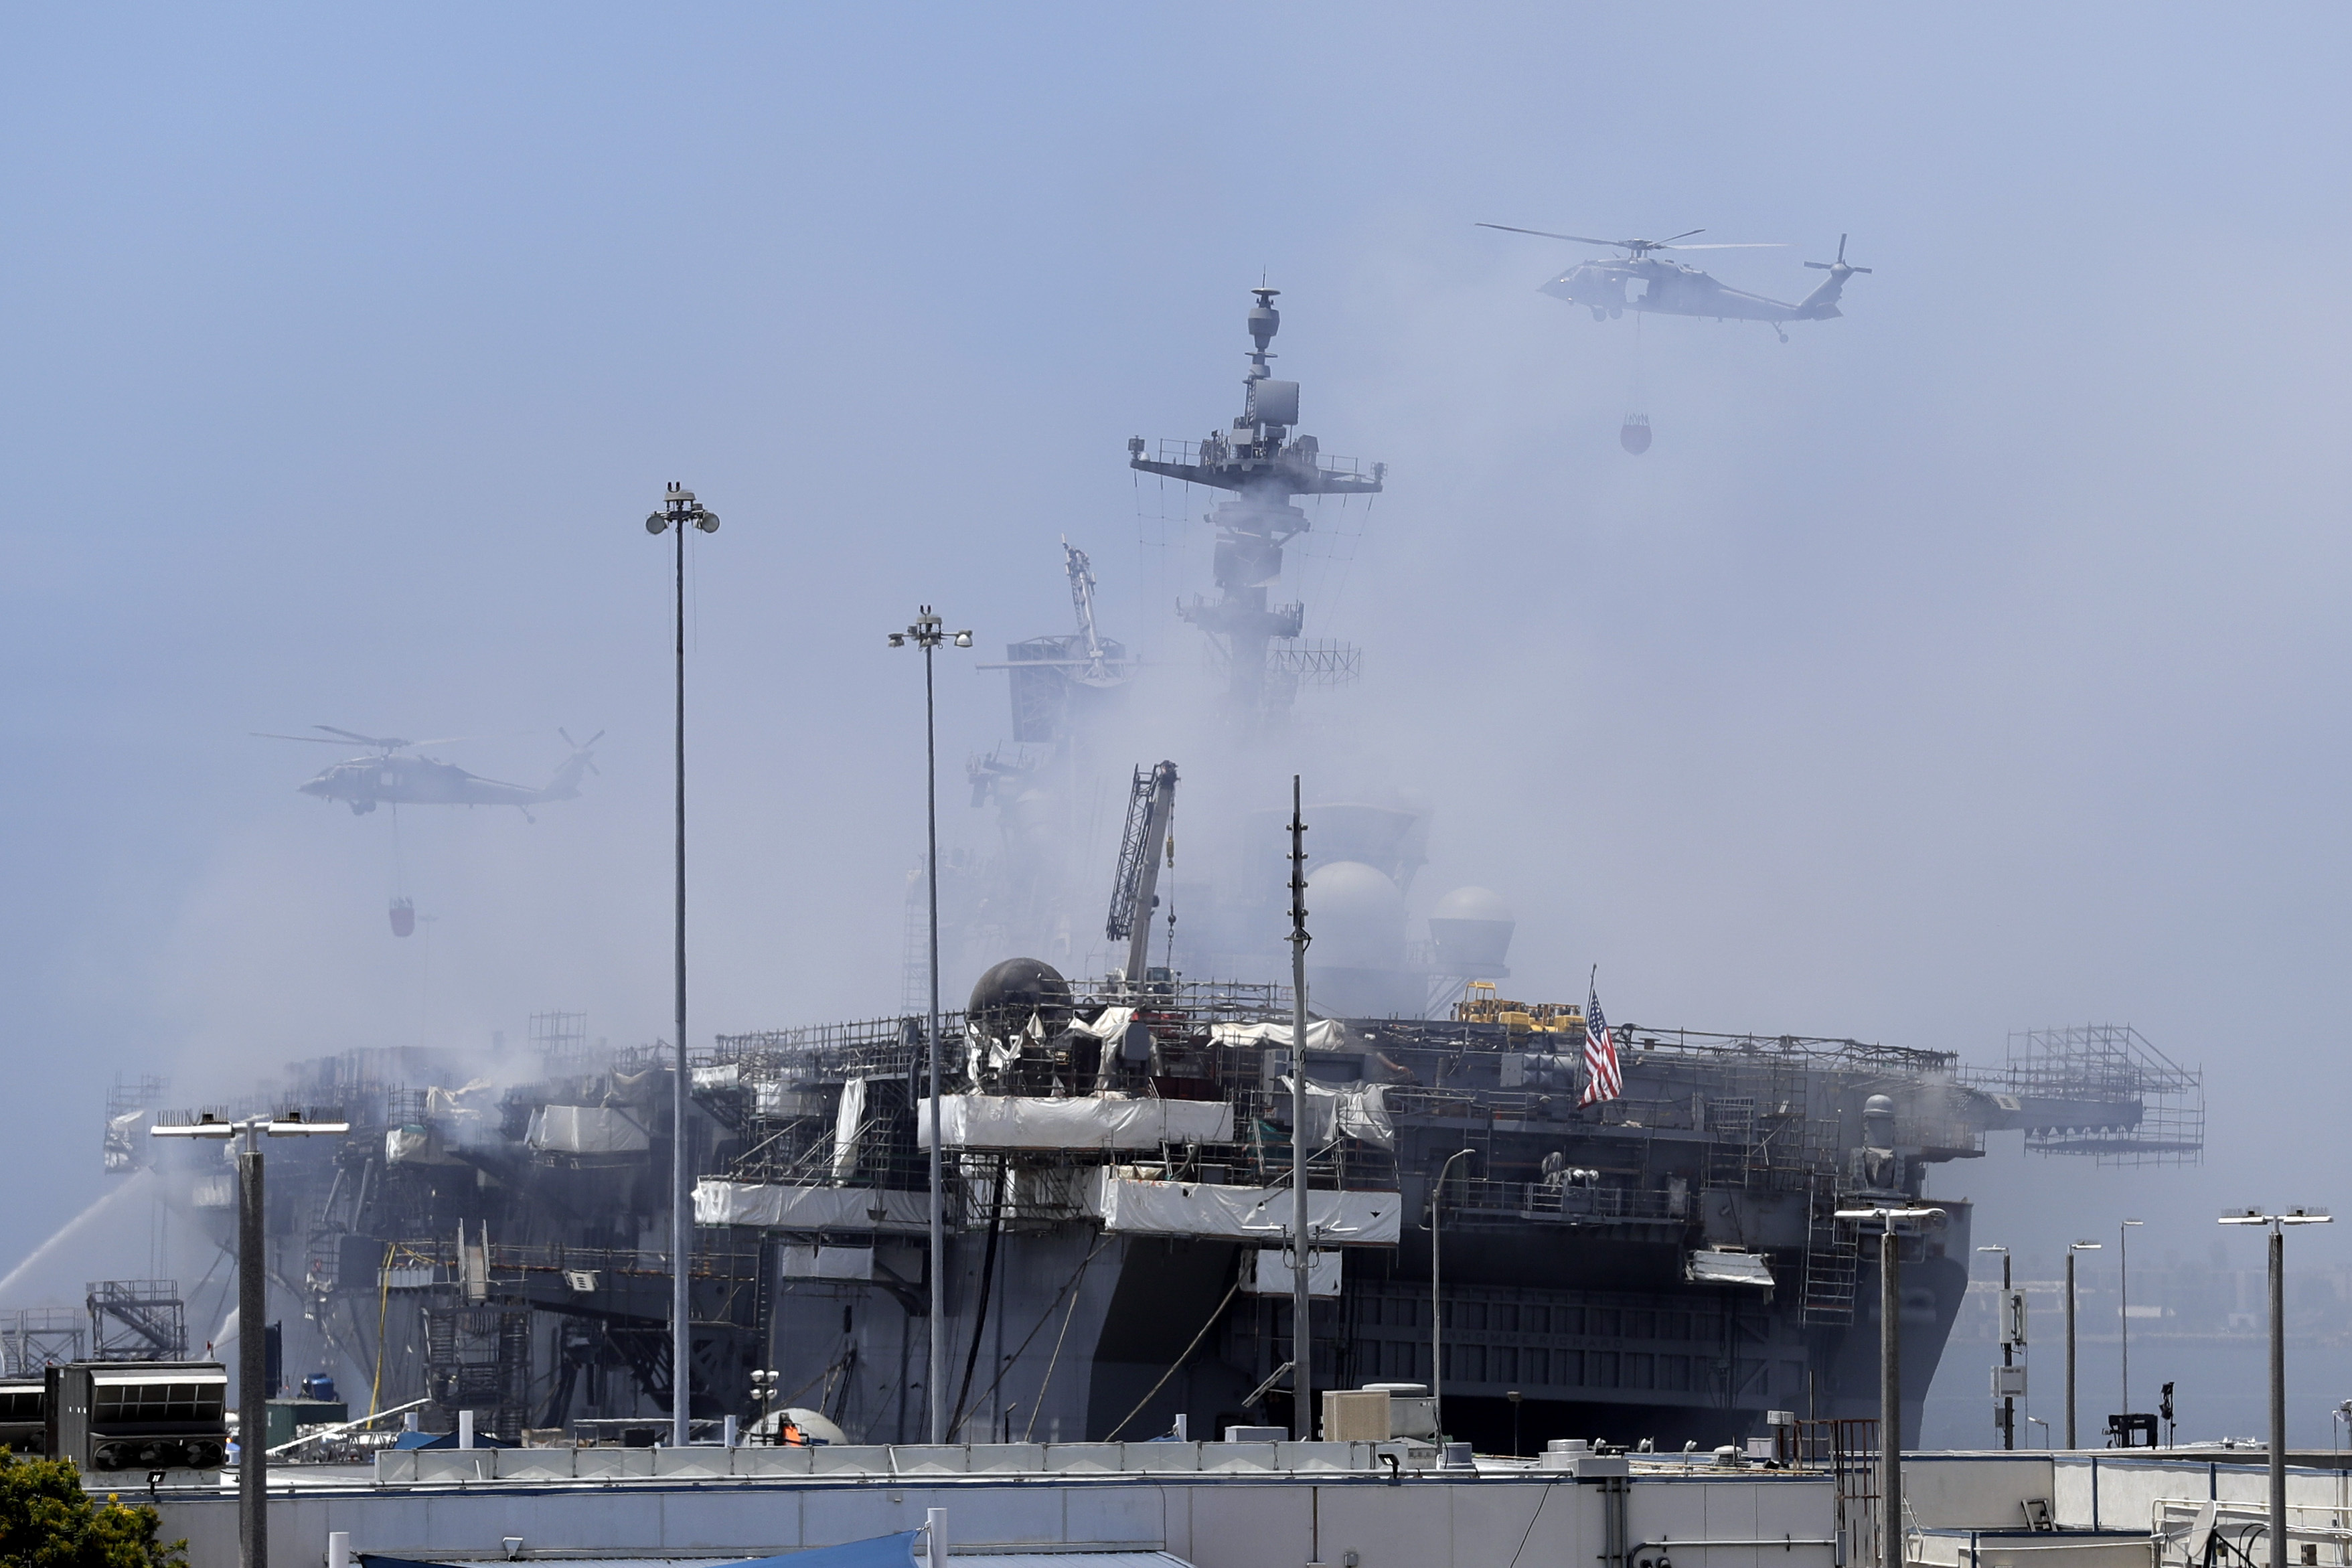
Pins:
<point x="1840" y="266"/>
<point x="1821" y="303"/>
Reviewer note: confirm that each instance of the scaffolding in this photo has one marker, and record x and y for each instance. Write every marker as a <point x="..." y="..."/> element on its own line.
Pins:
<point x="137" y="1319"/>
<point x="562" y="1040"/>
<point x="41" y="1336"/>
<point x="478" y="1359"/>
<point x="130" y="1105"/>
<point x="2108" y="1062"/>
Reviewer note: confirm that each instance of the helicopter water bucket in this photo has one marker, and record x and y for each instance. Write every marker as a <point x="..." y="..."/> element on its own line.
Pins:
<point x="1634" y="434"/>
<point x="403" y="917"/>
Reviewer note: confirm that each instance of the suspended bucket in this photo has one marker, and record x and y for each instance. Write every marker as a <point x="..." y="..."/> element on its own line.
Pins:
<point x="1634" y="435"/>
<point x="403" y="917"/>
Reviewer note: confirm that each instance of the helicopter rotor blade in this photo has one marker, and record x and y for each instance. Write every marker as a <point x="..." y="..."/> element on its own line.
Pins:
<point x="1685" y="235"/>
<point x="308" y="740"/>
<point x="1740" y="245"/>
<point x="1546" y="234"/>
<point x="390" y="743"/>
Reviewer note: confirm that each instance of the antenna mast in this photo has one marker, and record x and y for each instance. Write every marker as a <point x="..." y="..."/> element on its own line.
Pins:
<point x="1302" y="1254"/>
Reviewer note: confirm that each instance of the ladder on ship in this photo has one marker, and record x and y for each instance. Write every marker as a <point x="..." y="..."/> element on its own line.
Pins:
<point x="1731" y="1140"/>
<point x="1830" y="1262"/>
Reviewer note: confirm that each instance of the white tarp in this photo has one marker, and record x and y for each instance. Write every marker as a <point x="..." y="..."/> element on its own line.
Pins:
<point x="717" y="1080"/>
<point x="1109" y="1027"/>
<point x="827" y="1262"/>
<point x="775" y="1205"/>
<point x="1322" y="1035"/>
<point x="783" y="1100"/>
<point x="416" y="1144"/>
<point x="1358" y="1109"/>
<point x="1139" y="1208"/>
<point x="1710" y="1267"/>
<point x="1267" y="1272"/>
<point x="1081" y="1122"/>
<point x="848" y="1125"/>
<point x="585" y="1130"/>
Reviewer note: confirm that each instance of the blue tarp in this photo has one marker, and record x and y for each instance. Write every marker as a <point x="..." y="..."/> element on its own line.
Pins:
<point x="882" y="1552"/>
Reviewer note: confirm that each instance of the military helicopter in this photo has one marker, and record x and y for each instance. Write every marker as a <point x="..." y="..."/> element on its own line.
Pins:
<point x="1641" y="279"/>
<point x="387" y="778"/>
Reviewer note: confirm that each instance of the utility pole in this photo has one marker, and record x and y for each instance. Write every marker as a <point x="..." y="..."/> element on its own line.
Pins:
<point x="2276" y="1222"/>
<point x="2008" y="1358"/>
<point x="2011" y="1333"/>
<point x="252" y="1308"/>
<point x="1302" y="1366"/>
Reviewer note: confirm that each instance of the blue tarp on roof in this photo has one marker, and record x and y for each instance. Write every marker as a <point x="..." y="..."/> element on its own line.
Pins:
<point x="882" y="1552"/>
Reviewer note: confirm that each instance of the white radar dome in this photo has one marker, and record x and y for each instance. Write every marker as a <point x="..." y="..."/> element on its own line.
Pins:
<point x="1356" y="916"/>
<point x="1471" y="929"/>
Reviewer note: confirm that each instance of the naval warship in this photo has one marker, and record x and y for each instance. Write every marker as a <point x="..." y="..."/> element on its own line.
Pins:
<point x="1666" y="1264"/>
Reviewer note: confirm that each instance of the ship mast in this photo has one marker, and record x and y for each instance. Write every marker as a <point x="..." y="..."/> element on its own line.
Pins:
<point x="1262" y="465"/>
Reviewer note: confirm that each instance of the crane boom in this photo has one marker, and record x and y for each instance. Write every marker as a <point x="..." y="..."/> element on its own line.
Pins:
<point x="1082" y="599"/>
<point x="1150" y="807"/>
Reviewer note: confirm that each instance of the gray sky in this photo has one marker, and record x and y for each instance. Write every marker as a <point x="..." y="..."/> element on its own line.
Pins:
<point x="1969" y="664"/>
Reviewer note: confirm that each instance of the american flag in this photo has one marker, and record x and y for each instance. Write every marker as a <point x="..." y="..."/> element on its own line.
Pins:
<point x="1603" y="1080"/>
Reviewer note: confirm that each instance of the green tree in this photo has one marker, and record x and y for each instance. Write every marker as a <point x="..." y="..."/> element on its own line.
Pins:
<point x="46" y="1520"/>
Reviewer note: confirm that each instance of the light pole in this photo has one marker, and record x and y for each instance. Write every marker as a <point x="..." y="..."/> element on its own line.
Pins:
<point x="679" y="509"/>
<point x="2071" y="1247"/>
<point x="2278" y="1221"/>
<point x="2122" y="1299"/>
<point x="2008" y="1352"/>
<point x="926" y="634"/>
<point x="252" y="1308"/>
<point x="1438" y="1300"/>
<point x="1890" y="1370"/>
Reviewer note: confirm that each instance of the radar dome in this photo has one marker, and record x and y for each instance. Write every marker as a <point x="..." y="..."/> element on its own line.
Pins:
<point x="1471" y="929"/>
<point x="1356" y="916"/>
<point x="1006" y="996"/>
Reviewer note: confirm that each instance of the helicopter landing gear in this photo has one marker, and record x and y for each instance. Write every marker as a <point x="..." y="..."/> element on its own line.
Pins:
<point x="1599" y="315"/>
<point x="1777" y="327"/>
<point x="1616" y="311"/>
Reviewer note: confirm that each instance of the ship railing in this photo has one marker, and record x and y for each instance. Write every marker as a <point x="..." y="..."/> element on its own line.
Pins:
<point x="1820" y="1050"/>
<point x="1485" y="1198"/>
<point x="872" y="1046"/>
<point x="436" y="1262"/>
<point x="1300" y="451"/>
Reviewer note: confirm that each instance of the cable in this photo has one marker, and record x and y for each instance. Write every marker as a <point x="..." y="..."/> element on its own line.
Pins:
<point x="987" y="1284"/>
<point x="1542" y="1498"/>
<point x="383" y="1309"/>
<point x="1180" y="1362"/>
<point x="1068" y="1288"/>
